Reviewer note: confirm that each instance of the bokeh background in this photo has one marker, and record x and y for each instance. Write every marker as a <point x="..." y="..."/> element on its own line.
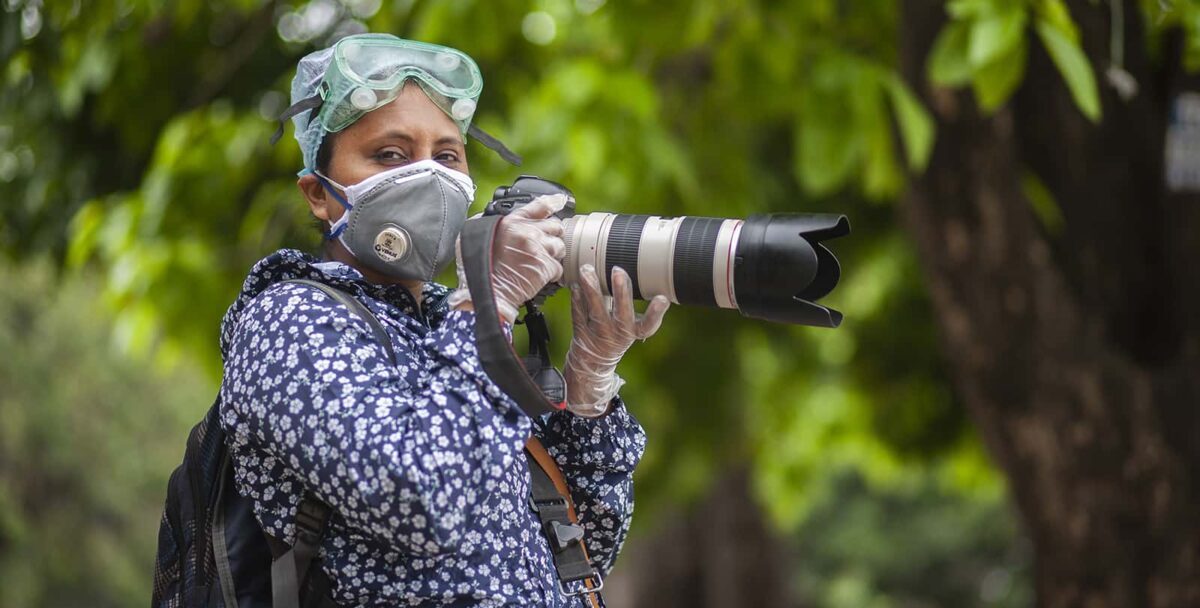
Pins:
<point x="1007" y="417"/>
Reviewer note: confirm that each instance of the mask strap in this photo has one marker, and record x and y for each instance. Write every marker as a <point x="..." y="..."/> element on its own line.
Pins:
<point x="335" y="229"/>
<point x="328" y="184"/>
<point x="494" y="144"/>
<point x="310" y="103"/>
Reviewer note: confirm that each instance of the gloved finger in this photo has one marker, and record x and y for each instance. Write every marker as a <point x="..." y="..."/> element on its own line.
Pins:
<point x="558" y="201"/>
<point x="541" y="207"/>
<point x="590" y="283"/>
<point x="652" y="319"/>
<point x="554" y="271"/>
<point x="579" y="305"/>
<point x="622" y="289"/>
<point x="555" y="247"/>
<point x="549" y="248"/>
<point x="550" y="226"/>
<point x="528" y="259"/>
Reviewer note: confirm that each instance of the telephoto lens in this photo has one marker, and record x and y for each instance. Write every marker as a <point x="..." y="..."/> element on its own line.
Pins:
<point x="772" y="267"/>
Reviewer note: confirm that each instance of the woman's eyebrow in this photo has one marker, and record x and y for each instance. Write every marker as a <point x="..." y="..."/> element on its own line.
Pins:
<point x="441" y="141"/>
<point x="396" y="135"/>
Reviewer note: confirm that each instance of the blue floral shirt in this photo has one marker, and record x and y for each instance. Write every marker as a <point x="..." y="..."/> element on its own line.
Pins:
<point x="421" y="461"/>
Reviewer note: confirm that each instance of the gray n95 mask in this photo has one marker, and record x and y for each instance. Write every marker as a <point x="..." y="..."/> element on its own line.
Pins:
<point x="403" y="222"/>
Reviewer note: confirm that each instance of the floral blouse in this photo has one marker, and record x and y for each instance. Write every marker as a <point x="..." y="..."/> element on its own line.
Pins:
<point x="422" y="461"/>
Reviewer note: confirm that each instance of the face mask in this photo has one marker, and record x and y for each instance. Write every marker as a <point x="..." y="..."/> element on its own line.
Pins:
<point x="403" y="222"/>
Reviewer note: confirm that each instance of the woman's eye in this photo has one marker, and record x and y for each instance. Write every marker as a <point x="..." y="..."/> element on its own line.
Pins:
<point x="390" y="155"/>
<point x="447" y="158"/>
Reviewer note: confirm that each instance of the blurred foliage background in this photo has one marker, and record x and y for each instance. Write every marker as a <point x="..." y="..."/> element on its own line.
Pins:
<point x="138" y="187"/>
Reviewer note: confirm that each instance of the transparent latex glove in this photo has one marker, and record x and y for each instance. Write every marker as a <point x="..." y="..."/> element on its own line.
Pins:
<point x="605" y="327"/>
<point x="525" y="256"/>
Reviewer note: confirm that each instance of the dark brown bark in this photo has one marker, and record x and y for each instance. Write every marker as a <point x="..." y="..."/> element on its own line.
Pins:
<point x="1077" y="353"/>
<point x="719" y="553"/>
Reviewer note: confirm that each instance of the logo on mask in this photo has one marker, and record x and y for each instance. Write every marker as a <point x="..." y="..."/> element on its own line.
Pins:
<point x="391" y="244"/>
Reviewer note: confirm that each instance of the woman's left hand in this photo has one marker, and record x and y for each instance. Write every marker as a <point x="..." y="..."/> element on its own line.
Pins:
<point x="605" y="327"/>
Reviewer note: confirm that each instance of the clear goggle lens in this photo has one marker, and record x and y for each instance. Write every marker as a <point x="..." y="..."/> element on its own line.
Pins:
<point x="370" y="71"/>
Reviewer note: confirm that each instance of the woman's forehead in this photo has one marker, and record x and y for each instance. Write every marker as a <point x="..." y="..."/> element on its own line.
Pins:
<point x="412" y="113"/>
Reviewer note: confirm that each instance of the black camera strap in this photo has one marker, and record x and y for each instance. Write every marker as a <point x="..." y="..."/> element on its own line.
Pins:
<point x="538" y="388"/>
<point x="496" y="353"/>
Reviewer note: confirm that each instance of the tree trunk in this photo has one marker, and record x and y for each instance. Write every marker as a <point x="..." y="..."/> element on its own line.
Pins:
<point x="718" y="554"/>
<point x="1076" y="349"/>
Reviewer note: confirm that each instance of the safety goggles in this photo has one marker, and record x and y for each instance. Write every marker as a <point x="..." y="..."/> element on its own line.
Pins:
<point x="368" y="71"/>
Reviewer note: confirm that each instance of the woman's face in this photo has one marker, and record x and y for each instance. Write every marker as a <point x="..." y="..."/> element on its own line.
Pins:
<point x="409" y="129"/>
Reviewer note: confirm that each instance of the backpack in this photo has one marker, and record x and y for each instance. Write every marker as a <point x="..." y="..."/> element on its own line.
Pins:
<point x="212" y="553"/>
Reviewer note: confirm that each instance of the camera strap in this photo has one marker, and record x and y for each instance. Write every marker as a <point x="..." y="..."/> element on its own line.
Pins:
<point x="538" y="389"/>
<point x="551" y="500"/>
<point x="536" y="394"/>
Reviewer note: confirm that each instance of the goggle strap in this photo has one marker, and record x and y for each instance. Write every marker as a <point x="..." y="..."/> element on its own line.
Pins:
<point x="303" y="105"/>
<point x="495" y="145"/>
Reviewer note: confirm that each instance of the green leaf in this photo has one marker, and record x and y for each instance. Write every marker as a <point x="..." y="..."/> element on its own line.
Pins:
<point x="996" y="35"/>
<point x="882" y="176"/>
<point x="826" y="154"/>
<point x="1073" y="64"/>
<point x="965" y="9"/>
<point x="994" y="83"/>
<point x="881" y="173"/>
<point x="1042" y="201"/>
<point x="1055" y="12"/>
<point x="916" y="125"/>
<point x="948" y="65"/>
<point x="586" y="147"/>
<point x="829" y="136"/>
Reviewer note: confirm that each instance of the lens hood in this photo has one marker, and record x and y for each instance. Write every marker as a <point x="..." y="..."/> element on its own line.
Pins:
<point x="781" y="267"/>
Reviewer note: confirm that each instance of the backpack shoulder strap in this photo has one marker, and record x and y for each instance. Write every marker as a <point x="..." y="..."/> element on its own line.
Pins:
<point x="357" y="308"/>
<point x="220" y="543"/>
<point x="551" y="499"/>
<point x="290" y="570"/>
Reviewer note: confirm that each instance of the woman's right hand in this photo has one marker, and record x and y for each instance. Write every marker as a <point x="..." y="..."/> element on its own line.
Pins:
<point x="525" y="256"/>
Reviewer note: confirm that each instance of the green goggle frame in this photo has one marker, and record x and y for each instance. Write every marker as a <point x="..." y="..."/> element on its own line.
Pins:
<point x="368" y="71"/>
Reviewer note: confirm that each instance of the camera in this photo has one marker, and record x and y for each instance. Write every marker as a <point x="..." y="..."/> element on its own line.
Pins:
<point x="770" y="266"/>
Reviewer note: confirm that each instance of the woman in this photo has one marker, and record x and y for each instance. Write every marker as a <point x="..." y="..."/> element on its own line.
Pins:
<point x="421" y="462"/>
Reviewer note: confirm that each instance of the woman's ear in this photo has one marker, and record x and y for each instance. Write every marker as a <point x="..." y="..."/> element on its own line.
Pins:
<point x="319" y="199"/>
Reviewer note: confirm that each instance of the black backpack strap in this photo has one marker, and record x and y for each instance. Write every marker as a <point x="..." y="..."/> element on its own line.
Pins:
<point x="220" y="544"/>
<point x="357" y="308"/>
<point x="288" y="571"/>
